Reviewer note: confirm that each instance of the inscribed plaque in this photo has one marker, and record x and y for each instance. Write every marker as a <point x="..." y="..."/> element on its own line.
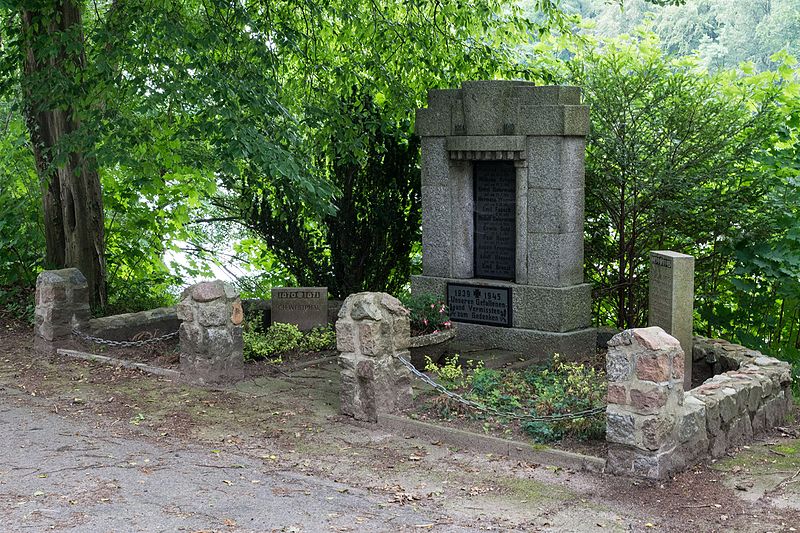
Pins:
<point x="495" y="246"/>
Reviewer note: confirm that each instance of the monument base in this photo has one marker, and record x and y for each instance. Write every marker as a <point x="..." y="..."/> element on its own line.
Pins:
<point x="571" y="345"/>
<point x="543" y="320"/>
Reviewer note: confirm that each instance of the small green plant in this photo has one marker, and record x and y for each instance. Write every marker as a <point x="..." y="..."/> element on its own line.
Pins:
<point x="319" y="339"/>
<point x="428" y="314"/>
<point x="278" y="339"/>
<point x="555" y="388"/>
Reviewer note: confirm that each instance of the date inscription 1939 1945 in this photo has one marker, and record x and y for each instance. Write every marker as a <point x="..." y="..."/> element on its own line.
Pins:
<point x="478" y="304"/>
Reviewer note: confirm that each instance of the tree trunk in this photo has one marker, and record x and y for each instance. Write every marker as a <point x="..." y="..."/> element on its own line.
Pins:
<point x="54" y="62"/>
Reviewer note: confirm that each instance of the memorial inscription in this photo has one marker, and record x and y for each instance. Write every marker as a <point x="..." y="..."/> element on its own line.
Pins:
<point x="305" y="307"/>
<point x="495" y="195"/>
<point x="479" y="304"/>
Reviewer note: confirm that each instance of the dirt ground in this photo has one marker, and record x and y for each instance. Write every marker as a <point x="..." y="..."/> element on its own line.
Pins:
<point x="289" y="426"/>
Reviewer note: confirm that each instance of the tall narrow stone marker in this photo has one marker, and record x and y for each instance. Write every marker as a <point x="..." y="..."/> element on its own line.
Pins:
<point x="672" y="301"/>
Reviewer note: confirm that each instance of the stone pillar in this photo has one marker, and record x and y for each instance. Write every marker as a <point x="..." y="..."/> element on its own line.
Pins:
<point x="373" y="328"/>
<point x="672" y="301"/>
<point x="211" y="333"/>
<point x="62" y="303"/>
<point x="645" y="403"/>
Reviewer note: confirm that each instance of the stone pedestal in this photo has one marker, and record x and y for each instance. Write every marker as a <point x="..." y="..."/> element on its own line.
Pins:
<point x="645" y="403"/>
<point x="373" y="328"/>
<point x="671" y="304"/>
<point x="502" y="214"/>
<point x="62" y="303"/>
<point x="211" y="333"/>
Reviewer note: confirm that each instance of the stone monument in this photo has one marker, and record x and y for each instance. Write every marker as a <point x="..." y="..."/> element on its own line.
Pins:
<point x="305" y="307"/>
<point x="502" y="215"/>
<point x="671" y="304"/>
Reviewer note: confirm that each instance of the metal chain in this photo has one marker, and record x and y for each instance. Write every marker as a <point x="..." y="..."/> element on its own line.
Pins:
<point x="491" y="410"/>
<point x="123" y="344"/>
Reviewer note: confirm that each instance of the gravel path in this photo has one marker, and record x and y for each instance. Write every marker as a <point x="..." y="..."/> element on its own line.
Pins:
<point x="59" y="475"/>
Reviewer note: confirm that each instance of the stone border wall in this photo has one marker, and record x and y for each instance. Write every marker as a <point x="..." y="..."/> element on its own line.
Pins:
<point x="740" y="403"/>
<point x="654" y="429"/>
<point x="132" y="326"/>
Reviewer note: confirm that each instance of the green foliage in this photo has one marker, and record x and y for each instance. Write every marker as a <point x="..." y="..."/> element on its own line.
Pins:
<point x="280" y="340"/>
<point x="318" y="339"/>
<point x="671" y="164"/>
<point x="557" y="387"/>
<point x="429" y="314"/>
<point x="21" y="235"/>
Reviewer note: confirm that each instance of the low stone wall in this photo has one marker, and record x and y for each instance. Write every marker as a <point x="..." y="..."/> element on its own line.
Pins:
<point x="132" y="326"/>
<point x="736" y="405"/>
<point x="655" y="429"/>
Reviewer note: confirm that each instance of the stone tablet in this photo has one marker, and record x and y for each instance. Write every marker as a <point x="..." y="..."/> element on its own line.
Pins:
<point x="479" y="304"/>
<point x="495" y="220"/>
<point x="671" y="305"/>
<point x="305" y="307"/>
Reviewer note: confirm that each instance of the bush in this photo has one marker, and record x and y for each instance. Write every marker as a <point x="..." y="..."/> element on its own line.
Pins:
<point x="278" y="339"/>
<point x="319" y="339"/>
<point x="428" y="314"/>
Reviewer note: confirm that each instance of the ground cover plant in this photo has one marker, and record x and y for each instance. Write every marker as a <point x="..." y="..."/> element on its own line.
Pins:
<point x="509" y="396"/>
<point x="281" y="341"/>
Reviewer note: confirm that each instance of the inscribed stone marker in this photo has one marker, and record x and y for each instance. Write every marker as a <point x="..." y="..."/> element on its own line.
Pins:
<point x="305" y="307"/>
<point x="672" y="300"/>
<point x="495" y="220"/>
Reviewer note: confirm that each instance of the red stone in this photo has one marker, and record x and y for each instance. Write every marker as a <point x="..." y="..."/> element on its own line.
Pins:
<point x="648" y="399"/>
<point x="653" y="368"/>
<point x="616" y="394"/>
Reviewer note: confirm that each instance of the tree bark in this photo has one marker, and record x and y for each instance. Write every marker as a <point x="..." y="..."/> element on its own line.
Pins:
<point x="53" y="64"/>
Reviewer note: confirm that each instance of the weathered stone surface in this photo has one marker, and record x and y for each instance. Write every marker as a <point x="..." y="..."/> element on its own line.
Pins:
<point x="647" y="400"/>
<point x="671" y="300"/>
<point x="657" y="432"/>
<point x="651" y="419"/>
<point x="617" y="394"/>
<point x="493" y="136"/>
<point x="237" y="314"/>
<point x="207" y="291"/>
<point x="618" y="366"/>
<point x="211" y="341"/>
<point x="305" y="307"/>
<point x="693" y="421"/>
<point x="62" y="303"/>
<point x="620" y="428"/>
<point x="652" y="367"/>
<point x="372" y="332"/>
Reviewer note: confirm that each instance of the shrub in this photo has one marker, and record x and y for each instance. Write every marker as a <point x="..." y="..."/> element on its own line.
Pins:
<point x="319" y="339"/>
<point x="278" y="339"/>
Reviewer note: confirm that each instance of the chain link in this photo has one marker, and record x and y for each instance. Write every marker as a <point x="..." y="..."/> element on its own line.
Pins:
<point x="123" y="344"/>
<point x="491" y="410"/>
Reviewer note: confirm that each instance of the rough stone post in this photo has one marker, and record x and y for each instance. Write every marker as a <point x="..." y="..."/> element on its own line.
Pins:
<point x="645" y="403"/>
<point x="373" y="328"/>
<point x="62" y="303"/>
<point x="671" y="304"/>
<point x="211" y="333"/>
